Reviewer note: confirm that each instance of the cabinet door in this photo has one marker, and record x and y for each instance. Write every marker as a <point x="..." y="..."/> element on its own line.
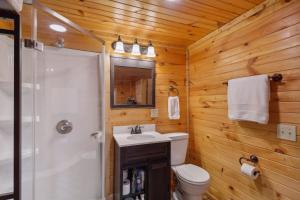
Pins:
<point x="159" y="181"/>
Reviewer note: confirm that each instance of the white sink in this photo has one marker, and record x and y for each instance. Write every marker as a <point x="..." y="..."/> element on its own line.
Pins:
<point x="140" y="137"/>
<point x="123" y="137"/>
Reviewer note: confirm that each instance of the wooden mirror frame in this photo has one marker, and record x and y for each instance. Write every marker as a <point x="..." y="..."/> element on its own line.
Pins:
<point x="129" y="62"/>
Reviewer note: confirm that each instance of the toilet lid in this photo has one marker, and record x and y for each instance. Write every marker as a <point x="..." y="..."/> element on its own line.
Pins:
<point x="192" y="173"/>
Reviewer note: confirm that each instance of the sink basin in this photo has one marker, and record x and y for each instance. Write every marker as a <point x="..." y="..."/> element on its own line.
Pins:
<point x="124" y="138"/>
<point x="140" y="137"/>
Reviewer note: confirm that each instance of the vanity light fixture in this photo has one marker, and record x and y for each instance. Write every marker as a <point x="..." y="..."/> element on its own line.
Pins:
<point x="119" y="46"/>
<point x="58" y="28"/>
<point x="136" y="51"/>
<point x="150" y="50"/>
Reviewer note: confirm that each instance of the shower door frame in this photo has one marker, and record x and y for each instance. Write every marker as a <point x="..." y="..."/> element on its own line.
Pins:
<point x="16" y="194"/>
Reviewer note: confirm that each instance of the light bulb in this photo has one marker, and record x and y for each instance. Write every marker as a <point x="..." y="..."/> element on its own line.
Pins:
<point x="58" y="28"/>
<point x="136" y="49"/>
<point x="151" y="51"/>
<point x="119" y="46"/>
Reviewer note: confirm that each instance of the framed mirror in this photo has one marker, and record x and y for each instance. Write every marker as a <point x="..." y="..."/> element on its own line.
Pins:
<point x="132" y="83"/>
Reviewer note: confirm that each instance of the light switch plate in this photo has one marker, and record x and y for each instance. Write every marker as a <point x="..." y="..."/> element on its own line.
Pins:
<point x="287" y="132"/>
<point x="154" y="113"/>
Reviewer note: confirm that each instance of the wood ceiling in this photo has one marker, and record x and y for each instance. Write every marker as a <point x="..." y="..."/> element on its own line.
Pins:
<point x="165" y="22"/>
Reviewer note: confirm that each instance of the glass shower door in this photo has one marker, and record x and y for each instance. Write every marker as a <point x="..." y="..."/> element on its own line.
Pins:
<point x="63" y="147"/>
<point x="68" y="146"/>
<point x="28" y="122"/>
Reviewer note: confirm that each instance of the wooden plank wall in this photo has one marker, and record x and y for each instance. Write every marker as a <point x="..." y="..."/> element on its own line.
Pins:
<point x="265" y="40"/>
<point x="170" y="70"/>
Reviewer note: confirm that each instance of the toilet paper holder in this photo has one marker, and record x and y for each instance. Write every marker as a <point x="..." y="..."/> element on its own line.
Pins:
<point x="253" y="158"/>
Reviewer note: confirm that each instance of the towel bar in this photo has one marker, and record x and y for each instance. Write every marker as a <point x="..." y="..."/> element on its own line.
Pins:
<point x="274" y="77"/>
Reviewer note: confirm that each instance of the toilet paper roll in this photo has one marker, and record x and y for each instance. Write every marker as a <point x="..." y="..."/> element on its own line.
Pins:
<point x="125" y="175"/>
<point x="249" y="170"/>
<point x="126" y="187"/>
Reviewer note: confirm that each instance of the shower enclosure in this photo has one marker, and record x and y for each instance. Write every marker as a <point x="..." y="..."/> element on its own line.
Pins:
<point x="62" y="113"/>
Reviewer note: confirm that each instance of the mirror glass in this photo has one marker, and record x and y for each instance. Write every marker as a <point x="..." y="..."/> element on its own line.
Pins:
<point x="132" y="83"/>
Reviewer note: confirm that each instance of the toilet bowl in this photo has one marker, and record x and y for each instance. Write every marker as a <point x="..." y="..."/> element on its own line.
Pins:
<point x="191" y="181"/>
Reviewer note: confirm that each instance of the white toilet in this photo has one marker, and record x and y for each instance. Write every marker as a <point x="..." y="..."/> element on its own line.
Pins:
<point x="191" y="181"/>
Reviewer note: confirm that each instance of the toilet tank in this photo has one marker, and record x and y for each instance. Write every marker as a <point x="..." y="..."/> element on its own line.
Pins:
<point x="179" y="144"/>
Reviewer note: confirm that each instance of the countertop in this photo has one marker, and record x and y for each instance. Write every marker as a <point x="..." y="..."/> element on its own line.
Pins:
<point x="123" y="140"/>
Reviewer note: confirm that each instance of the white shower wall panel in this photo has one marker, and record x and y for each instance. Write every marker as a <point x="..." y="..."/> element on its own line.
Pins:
<point x="68" y="166"/>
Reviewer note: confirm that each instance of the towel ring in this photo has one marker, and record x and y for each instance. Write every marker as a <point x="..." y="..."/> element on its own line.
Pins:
<point x="171" y="89"/>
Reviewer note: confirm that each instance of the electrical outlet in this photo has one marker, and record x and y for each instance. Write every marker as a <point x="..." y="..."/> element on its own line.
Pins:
<point x="154" y="113"/>
<point x="287" y="132"/>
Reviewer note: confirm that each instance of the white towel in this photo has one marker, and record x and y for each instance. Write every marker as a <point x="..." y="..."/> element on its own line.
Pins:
<point x="248" y="99"/>
<point x="173" y="107"/>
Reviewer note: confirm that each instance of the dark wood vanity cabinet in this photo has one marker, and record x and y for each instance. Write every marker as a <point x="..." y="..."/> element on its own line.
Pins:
<point x="159" y="179"/>
<point x="154" y="160"/>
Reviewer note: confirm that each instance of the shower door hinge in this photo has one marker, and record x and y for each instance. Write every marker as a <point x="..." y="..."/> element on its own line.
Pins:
<point x="32" y="44"/>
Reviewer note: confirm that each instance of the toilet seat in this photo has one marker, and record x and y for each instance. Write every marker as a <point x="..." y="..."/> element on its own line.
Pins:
<point x="192" y="174"/>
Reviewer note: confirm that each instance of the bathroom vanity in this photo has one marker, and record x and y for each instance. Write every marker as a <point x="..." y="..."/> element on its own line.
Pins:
<point x="143" y="162"/>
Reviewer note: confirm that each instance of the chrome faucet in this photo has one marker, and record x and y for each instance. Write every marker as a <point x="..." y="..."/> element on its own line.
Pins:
<point x="136" y="130"/>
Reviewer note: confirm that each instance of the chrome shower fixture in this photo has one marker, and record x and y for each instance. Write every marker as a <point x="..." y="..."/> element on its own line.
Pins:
<point x="64" y="127"/>
<point x="60" y="43"/>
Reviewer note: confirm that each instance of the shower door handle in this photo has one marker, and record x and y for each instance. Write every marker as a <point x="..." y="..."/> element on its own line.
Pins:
<point x="97" y="136"/>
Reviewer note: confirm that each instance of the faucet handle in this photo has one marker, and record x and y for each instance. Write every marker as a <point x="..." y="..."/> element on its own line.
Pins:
<point x="132" y="131"/>
<point x="138" y="129"/>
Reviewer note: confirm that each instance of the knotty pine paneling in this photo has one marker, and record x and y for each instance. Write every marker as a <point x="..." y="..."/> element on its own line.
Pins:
<point x="170" y="70"/>
<point x="175" y="23"/>
<point x="265" y="40"/>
